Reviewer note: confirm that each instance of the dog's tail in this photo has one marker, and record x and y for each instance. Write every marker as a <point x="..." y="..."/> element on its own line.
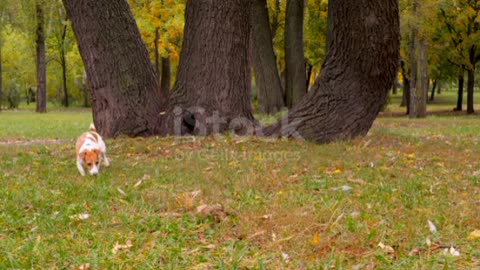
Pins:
<point x="92" y="127"/>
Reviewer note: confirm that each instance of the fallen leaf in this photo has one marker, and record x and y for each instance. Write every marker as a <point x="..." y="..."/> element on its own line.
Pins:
<point x="139" y="182"/>
<point x="357" y="181"/>
<point x="286" y="257"/>
<point x="474" y="235"/>
<point x="414" y="252"/>
<point x="119" y="247"/>
<point x="432" y="227"/>
<point x="387" y="249"/>
<point x="215" y="210"/>
<point x="84" y="266"/>
<point x="451" y="251"/>
<point x="80" y="216"/>
<point x="316" y="238"/>
<point x="121" y="191"/>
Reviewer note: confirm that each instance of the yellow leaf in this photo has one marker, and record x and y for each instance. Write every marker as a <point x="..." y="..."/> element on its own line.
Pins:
<point x="474" y="235"/>
<point x="316" y="238"/>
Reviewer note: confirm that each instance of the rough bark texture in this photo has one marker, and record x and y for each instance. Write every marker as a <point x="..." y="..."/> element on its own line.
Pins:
<point x="294" y="55"/>
<point x="406" y="88"/>
<point x="41" y="63"/>
<point x="418" y="107"/>
<point x="356" y="76"/>
<point x="270" y="92"/>
<point x="212" y="91"/>
<point x="122" y="81"/>
<point x="461" y="82"/>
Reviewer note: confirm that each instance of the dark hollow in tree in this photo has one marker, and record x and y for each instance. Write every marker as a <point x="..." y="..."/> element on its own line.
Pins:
<point x="356" y="77"/>
<point x="41" y="63"/>
<point x="123" y="84"/>
<point x="295" y="68"/>
<point x="270" y="92"/>
<point x="212" y="91"/>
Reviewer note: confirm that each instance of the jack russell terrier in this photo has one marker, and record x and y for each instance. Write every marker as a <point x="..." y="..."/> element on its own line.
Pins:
<point x="91" y="150"/>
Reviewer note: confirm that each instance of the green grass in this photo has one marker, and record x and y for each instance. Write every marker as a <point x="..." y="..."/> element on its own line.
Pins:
<point x="322" y="206"/>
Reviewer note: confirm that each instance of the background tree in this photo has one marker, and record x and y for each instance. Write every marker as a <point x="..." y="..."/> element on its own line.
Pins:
<point x="125" y="90"/>
<point x="41" y="61"/>
<point x="295" y="70"/>
<point x="355" y="80"/>
<point x="212" y="91"/>
<point x="267" y="78"/>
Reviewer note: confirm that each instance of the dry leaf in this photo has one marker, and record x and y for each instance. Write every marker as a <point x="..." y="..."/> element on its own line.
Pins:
<point x="386" y="249"/>
<point x="474" y="235"/>
<point x="119" y="247"/>
<point x="84" y="266"/>
<point x="80" y="216"/>
<point x="432" y="227"/>
<point x="316" y="238"/>
<point x="286" y="257"/>
<point x="451" y="251"/>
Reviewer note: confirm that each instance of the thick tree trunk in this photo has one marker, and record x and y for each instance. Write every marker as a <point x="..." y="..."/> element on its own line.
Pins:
<point x="166" y="75"/>
<point x="63" y="61"/>
<point x="294" y="54"/>
<point x="419" y="108"/>
<point x="413" y="66"/>
<point x="41" y="63"/>
<point x="124" y="87"/>
<point x="270" y="92"/>
<point x="157" y="54"/>
<point x="356" y="77"/>
<point x="461" y="82"/>
<point x="212" y="91"/>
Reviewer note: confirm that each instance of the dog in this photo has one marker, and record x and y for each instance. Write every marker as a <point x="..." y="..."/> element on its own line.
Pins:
<point x="91" y="151"/>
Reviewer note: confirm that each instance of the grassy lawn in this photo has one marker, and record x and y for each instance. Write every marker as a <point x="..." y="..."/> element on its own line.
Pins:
<point x="242" y="203"/>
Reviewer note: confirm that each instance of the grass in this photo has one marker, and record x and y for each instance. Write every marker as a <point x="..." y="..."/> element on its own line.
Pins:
<point x="263" y="204"/>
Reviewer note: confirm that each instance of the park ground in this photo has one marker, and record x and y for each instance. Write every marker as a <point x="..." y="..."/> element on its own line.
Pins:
<point x="406" y="196"/>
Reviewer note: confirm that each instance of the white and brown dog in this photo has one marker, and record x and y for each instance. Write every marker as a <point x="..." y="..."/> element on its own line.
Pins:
<point x="91" y="150"/>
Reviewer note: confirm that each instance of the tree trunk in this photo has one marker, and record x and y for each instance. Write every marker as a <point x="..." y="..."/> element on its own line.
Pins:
<point x="309" y="75"/>
<point x="419" y="108"/>
<point x="122" y="81"/>
<point x="1" y="77"/>
<point x="157" y="54"/>
<point x="471" y="80"/>
<point x="41" y="63"/>
<point x="166" y="75"/>
<point x="432" y="95"/>
<point x="394" y="86"/>
<point x="406" y="88"/>
<point x="439" y="87"/>
<point x="461" y="82"/>
<point x="63" y="61"/>
<point x="212" y="91"/>
<point x="413" y="66"/>
<point x="294" y="54"/>
<point x="356" y="77"/>
<point x="270" y="93"/>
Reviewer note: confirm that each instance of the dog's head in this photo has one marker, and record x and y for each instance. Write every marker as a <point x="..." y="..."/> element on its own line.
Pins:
<point x="91" y="160"/>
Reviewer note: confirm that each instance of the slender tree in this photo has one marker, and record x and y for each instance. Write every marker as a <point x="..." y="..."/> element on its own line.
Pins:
<point x="212" y="91"/>
<point x="270" y="92"/>
<point x="356" y="75"/>
<point x="41" y="63"/>
<point x="123" y="85"/>
<point x="295" y="68"/>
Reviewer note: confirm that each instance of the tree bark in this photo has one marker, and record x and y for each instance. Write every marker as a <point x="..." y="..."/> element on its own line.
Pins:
<point x="356" y="77"/>
<point x="434" y="87"/>
<point x="212" y="91"/>
<point x="413" y="66"/>
<point x="41" y="63"/>
<point x="471" y="80"/>
<point x="419" y="108"/>
<point x="165" y="78"/>
<point x="63" y="62"/>
<point x="270" y="92"/>
<point x="461" y="82"/>
<point x="122" y="81"/>
<point x="294" y="53"/>
<point x="406" y="88"/>
<point x="1" y="77"/>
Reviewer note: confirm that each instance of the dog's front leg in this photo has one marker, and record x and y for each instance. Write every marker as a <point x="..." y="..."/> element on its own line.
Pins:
<point x="80" y="167"/>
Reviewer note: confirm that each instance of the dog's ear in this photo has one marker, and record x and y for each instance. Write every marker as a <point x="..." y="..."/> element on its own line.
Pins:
<point x="81" y="155"/>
